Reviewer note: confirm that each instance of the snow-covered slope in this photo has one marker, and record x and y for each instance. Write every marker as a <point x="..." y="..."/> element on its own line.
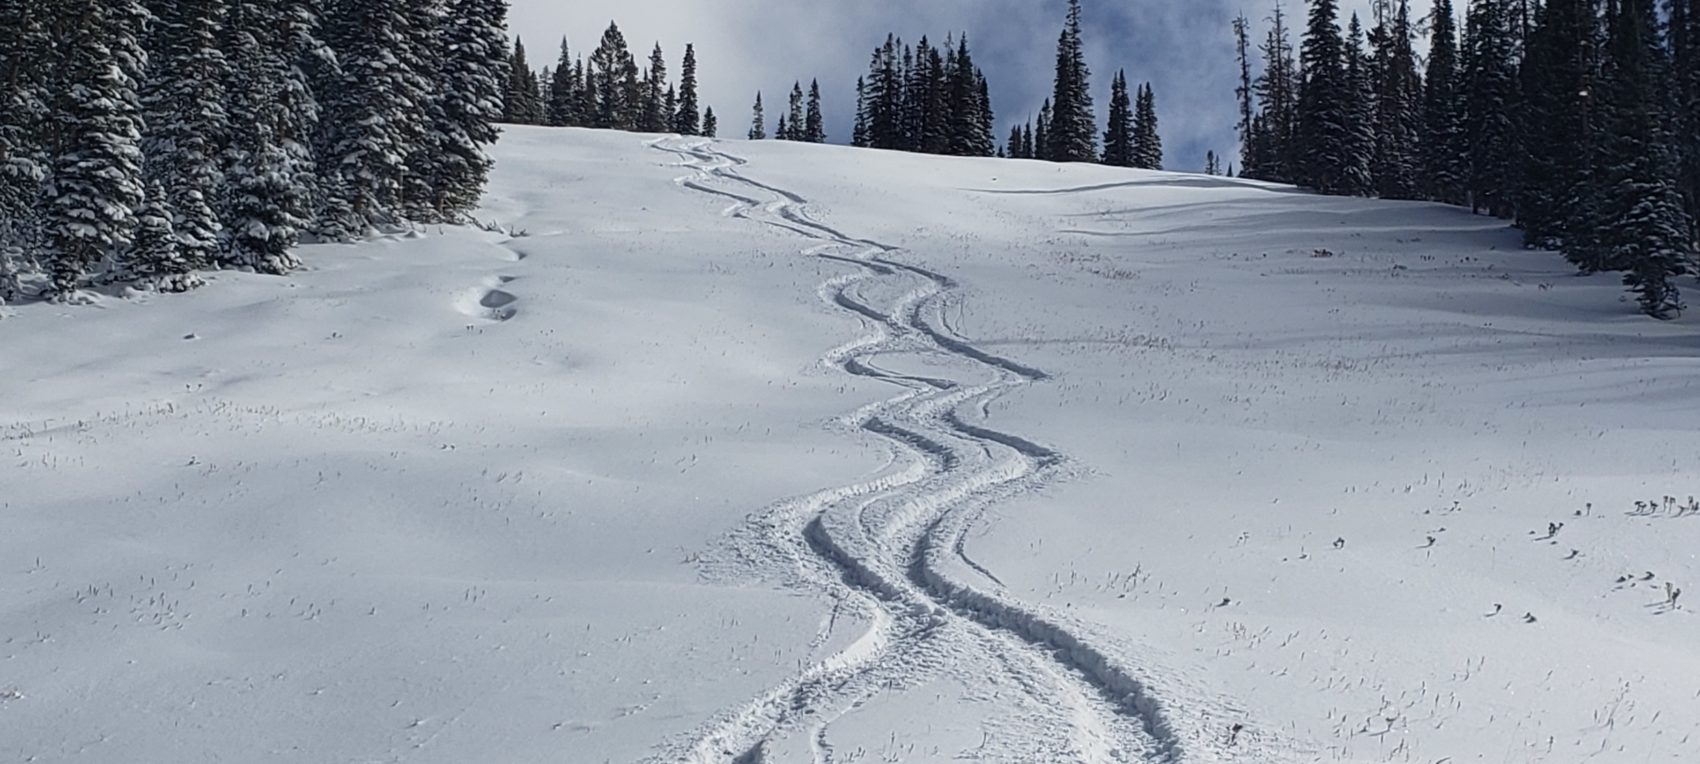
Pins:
<point x="764" y="452"/>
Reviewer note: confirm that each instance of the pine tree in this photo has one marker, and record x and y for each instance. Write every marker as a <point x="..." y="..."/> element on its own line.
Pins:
<point x="1324" y="107"/>
<point x="1073" y="130"/>
<point x="267" y="206"/>
<point x="420" y="56"/>
<point x="615" y="76"/>
<point x="1358" y="178"/>
<point x="25" y="95"/>
<point x="1490" y="95"/>
<point x="1643" y="228"/>
<point x="782" y="131"/>
<point x="1042" y="133"/>
<point x="685" y="120"/>
<point x="758" y="121"/>
<point x="1118" y="137"/>
<point x="859" y="129"/>
<point x="1558" y="90"/>
<point x="1685" y="72"/>
<point x="520" y="97"/>
<point x="1212" y="165"/>
<point x="96" y="184"/>
<point x="814" y="124"/>
<point x="184" y="112"/>
<point x="655" y="116"/>
<point x="1243" y="92"/>
<point x="1398" y="105"/>
<point x="1147" y="143"/>
<point x="1012" y="147"/>
<point x="1029" y="144"/>
<point x="970" y="106"/>
<point x="793" y="121"/>
<point x="560" y="110"/>
<point x="1443" y="150"/>
<point x="155" y="259"/>
<point x="710" y="125"/>
<point x="1275" y="147"/>
<point x="469" y="83"/>
<point x="375" y="112"/>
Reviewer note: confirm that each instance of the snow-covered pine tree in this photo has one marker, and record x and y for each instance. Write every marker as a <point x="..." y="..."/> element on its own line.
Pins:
<point x="1642" y="226"/>
<point x="654" y="113"/>
<point x="685" y="118"/>
<point x="96" y="184"/>
<point x="814" y="123"/>
<point x="1398" y="104"/>
<point x="373" y="113"/>
<point x="781" y="130"/>
<point x="984" y="141"/>
<point x="470" y="85"/>
<point x="969" y="105"/>
<point x="1324" y="108"/>
<point x="1358" y="178"/>
<point x="155" y="259"/>
<point x="859" y="128"/>
<point x="1147" y="141"/>
<point x="793" y="119"/>
<point x="934" y="110"/>
<point x="710" y="125"/>
<point x="563" y="90"/>
<point x="421" y="57"/>
<point x="1073" y="130"/>
<point x="183" y="102"/>
<point x="25" y="94"/>
<point x="1489" y="98"/>
<point x="1118" y="135"/>
<point x="1443" y="166"/>
<point x="1558" y="90"/>
<point x="758" y="121"/>
<point x="266" y="206"/>
<point x="1685" y="73"/>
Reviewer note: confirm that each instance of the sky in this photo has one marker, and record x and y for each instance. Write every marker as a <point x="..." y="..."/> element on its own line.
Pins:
<point x="1184" y="48"/>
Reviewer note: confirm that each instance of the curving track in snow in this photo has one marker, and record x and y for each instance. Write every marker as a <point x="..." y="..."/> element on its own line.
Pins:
<point x="889" y="550"/>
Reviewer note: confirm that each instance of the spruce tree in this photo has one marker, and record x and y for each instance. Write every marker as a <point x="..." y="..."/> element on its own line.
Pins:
<point x="1275" y="154"/>
<point x="1212" y="165"/>
<point x="1147" y="143"/>
<point x="1398" y="106"/>
<point x="1073" y="130"/>
<point x="859" y="128"/>
<point x="655" y="117"/>
<point x="560" y="108"/>
<point x="420" y="56"/>
<point x="1685" y="73"/>
<point x="1358" y="178"/>
<point x="520" y="96"/>
<point x="374" y="111"/>
<point x="1028" y="142"/>
<point x="1443" y="166"/>
<point x="96" y="184"/>
<point x="758" y="121"/>
<point x="793" y="121"/>
<point x="1118" y="137"/>
<point x="615" y="78"/>
<point x="782" y="131"/>
<point x="685" y="120"/>
<point x="710" y="125"/>
<point x="814" y="124"/>
<point x="25" y="96"/>
<point x="1324" y="108"/>
<point x="1558" y="91"/>
<point x="267" y="207"/>
<point x="1012" y="147"/>
<point x="155" y="259"/>
<point x="1042" y="133"/>
<point x="970" y="106"/>
<point x="469" y="83"/>
<point x="1642" y="226"/>
<point x="1243" y="91"/>
<point x="1490" y="95"/>
<point x="186" y="122"/>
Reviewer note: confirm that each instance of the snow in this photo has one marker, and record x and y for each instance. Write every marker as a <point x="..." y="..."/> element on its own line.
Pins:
<point x="775" y="452"/>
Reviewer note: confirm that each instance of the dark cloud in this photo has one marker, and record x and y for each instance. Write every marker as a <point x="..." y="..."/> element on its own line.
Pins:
<point x="1183" y="47"/>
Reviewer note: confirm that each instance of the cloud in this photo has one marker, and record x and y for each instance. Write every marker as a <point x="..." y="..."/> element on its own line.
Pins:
<point x="1185" y="48"/>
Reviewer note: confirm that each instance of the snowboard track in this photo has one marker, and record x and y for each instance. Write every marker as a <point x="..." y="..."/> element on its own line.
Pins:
<point x="890" y="549"/>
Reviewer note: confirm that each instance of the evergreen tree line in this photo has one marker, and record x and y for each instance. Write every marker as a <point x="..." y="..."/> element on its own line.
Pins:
<point x="145" y="141"/>
<point x="926" y="99"/>
<point x="608" y="90"/>
<point x="1577" y="119"/>
<point x="1066" y="129"/>
<point x="798" y="123"/>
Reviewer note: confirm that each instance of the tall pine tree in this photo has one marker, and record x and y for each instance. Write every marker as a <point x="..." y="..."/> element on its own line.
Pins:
<point x="1324" y="109"/>
<point x="1147" y="143"/>
<point x="1073" y="131"/>
<point x="1118" y="137"/>
<point x="686" y="120"/>
<point x="1443" y="151"/>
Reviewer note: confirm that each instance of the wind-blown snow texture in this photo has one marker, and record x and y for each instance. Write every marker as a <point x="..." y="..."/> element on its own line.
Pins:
<point x="768" y="452"/>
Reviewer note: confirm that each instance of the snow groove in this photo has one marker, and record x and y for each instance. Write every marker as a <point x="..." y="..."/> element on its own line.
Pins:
<point x="885" y="549"/>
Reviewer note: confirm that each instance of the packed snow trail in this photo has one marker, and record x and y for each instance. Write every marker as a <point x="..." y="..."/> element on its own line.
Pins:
<point x="890" y="549"/>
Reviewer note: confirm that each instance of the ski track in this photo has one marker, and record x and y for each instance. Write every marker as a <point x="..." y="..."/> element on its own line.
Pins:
<point x="890" y="549"/>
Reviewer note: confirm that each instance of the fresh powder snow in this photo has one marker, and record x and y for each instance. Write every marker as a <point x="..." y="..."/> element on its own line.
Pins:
<point x="723" y="451"/>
